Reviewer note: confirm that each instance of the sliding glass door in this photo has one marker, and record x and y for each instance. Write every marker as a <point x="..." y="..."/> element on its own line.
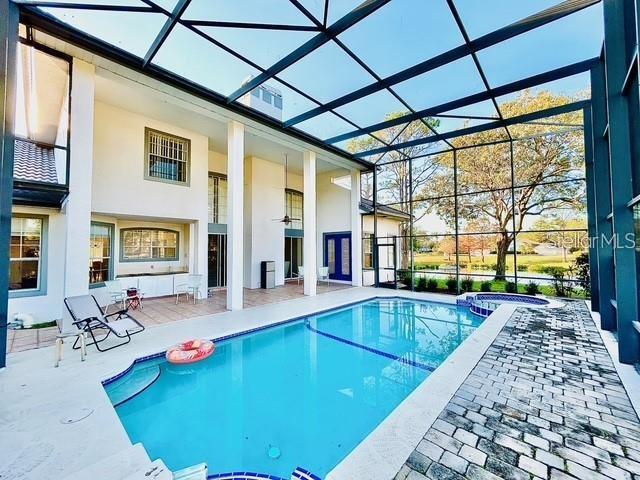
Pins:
<point x="292" y="256"/>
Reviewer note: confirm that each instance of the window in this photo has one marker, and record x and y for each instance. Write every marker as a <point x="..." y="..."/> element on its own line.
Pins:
<point x="255" y="92"/>
<point x="148" y="244"/>
<point x="267" y="96"/>
<point x="217" y="198"/>
<point x="277" y="102"/>
<point x="367" y="250"/>
<point x="167" y="157"/>
<point x="293" y="208"/>
<point x="26" y="247"/>
<point x="100" y="253"/>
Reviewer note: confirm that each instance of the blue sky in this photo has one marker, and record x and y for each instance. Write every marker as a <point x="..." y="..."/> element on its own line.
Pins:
<point x="398" y="35"/>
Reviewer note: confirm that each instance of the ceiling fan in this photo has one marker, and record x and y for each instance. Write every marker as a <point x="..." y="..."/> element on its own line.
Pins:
<point x="286" y="219"/>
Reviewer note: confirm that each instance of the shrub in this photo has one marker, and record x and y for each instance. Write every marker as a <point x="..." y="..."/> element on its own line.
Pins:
<point x="432" y="285"/>
<point x="523" y="268"/>
<point x="510" y="287"/>
<point x="452" y="285"/>
<point x="581" y="265"/>
<point x="466" y="284"/>
<point x="421" y="284"/>
<point x="486" y="286"/>
<point x="561" y="285"/>
<point x="404" y="276"/>
<point x="532" y="288"/>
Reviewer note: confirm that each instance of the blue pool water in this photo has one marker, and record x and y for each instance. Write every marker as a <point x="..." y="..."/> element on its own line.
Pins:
<point x="300" y="394"/>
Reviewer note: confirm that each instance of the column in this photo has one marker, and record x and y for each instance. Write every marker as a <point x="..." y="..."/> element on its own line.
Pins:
<point x="602" y="192"/>
<point x="356" y="231"/>
<point x="621" y="176"/>
<point x="78" y="206"/>
<point x="309" y="215"/>
<point x="235" y="194"/>
<point x="8" y="43"/>
<point x="591" y="210"/>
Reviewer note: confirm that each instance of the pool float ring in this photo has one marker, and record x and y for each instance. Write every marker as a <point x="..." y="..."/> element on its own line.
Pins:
<point x="191" y="351"/>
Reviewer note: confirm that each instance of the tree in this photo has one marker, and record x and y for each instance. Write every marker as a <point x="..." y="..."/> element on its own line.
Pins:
<point x="394" y="185"/>
<point x="545" y="155"/>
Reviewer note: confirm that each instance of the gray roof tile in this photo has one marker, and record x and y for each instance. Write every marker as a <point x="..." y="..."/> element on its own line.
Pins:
<point x="33" y="162"/>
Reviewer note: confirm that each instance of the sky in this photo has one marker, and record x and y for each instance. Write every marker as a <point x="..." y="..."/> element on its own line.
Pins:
<point x="397" y="36"/>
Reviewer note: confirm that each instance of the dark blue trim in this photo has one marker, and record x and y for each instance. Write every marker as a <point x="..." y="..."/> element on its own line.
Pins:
<point x="371" y="349"/>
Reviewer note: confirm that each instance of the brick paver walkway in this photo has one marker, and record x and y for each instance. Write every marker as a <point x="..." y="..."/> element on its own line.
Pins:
<point x="545" y="402"/>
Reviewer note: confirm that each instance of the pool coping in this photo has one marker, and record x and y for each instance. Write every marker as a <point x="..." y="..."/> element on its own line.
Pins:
<point x="383" y="452"/>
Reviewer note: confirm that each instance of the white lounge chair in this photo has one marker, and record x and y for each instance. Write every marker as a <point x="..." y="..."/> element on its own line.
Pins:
<point x="88" y="316"/>
<point x="300" y="273"/>
<point x="323" y="274"/>
<point x="190" y="287"/>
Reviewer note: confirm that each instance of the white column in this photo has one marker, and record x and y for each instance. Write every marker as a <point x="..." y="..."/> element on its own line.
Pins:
<point x="235" y="194"/>
<point x="78" y="206"/>
<point x="309" y="215"/>
<point x="356" y="231"/>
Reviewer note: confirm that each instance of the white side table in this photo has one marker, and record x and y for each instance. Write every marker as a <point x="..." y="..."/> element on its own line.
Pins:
<point x="59" y="350"/>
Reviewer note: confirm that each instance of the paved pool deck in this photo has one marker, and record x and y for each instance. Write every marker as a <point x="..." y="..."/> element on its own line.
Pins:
<point x="544" y="402"/>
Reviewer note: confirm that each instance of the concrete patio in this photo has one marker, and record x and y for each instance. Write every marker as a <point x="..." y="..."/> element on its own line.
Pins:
<point x="158" y="311"/>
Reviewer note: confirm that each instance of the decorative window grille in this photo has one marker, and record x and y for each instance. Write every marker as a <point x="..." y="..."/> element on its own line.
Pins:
<point x="167" y="157"/>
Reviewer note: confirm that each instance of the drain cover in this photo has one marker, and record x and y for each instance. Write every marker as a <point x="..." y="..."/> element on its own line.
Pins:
<point x="273" y="452"/>
<point x="76" y="415"/>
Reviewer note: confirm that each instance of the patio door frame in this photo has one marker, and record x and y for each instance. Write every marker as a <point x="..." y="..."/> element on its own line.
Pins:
<point x="220" y="273"/>
<point x="338" y="237"/>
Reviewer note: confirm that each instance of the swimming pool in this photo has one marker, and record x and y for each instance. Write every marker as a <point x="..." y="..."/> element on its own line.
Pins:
<point x="304" y="393"/>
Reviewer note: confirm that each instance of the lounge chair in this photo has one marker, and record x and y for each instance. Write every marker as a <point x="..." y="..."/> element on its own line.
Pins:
<point x="88" y="316"/>
<point x="323" y="274"/>
<point x="300" y="275"/>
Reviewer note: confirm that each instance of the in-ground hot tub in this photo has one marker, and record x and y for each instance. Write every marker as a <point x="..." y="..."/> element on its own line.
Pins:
<point x="484" y="304"/>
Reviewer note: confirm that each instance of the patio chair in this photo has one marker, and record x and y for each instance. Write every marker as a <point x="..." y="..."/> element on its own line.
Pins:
<point x="192" y="286"/>
<point x="323" y="274"/>
<point x="300" y="273"/>
<point x="115" y="292"/>
<point x="88" y="316"/>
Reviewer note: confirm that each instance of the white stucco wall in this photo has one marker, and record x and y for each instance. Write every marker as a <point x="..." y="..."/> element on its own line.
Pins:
<point x="265" y="199"/>
<point x="46" y="307"/>
<point x="120" y="189"/>
<point x="387" y="227"/>
<point x="332" y="211"/>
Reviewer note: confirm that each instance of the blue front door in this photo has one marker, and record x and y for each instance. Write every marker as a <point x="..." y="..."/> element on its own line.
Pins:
<point x="337" y="255"/>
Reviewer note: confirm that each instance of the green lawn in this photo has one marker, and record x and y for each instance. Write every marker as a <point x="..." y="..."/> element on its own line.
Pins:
<point x="527" y="263"/>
